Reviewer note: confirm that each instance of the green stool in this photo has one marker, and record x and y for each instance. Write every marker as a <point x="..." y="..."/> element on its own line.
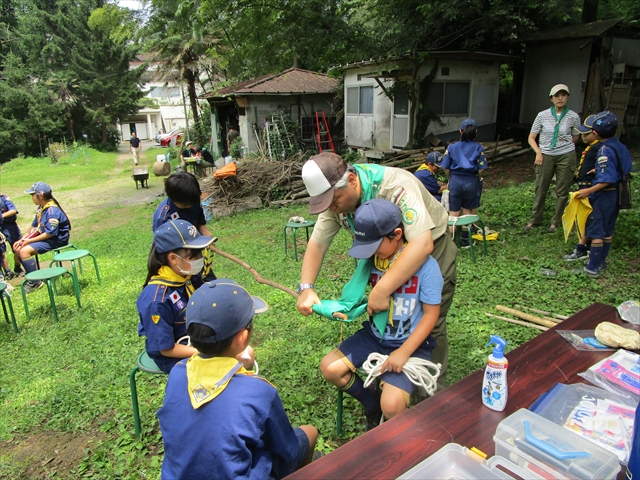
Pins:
<point x="48" y="275"/>
<point x="466" y="220"/>
<point x="146" y="364"/>
<point x="72" y="256"/>
<point x="3" y="295"/>
<point x="55" y="251"/>
<point x="295" y="226"/>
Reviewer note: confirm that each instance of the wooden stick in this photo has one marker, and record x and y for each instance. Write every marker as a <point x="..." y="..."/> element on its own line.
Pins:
<point x="557" y="317"/>
<point x="254" y="273"/>
<point x="517" y="322"/>
<point x="526" y="316"/>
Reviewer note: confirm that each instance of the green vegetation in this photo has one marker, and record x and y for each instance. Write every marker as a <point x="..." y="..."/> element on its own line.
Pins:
<point x="71" y="377"/>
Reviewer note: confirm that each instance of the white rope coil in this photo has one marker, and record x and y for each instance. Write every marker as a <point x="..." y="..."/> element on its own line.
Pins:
<point x="416" y="369"/>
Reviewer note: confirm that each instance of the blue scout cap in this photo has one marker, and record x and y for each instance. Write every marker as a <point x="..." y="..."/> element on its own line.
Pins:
<point x="468" y="121"/>
<point x="224" y="306"/>
<point x="177" y="234"/>
<point x="587" y="125"/>
<point x="38" y="187"/>
<point x="605" y="123"/>
<point x="434" y="157"/>
<point x="374" y="220"/>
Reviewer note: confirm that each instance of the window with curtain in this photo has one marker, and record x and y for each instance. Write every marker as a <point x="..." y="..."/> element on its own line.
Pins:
<point x="449" y="98"/>
<point x="360" y="100"/>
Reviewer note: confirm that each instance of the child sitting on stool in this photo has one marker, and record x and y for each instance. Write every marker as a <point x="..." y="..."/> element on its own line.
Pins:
<point x="49" y="230"/>
<point x="407" y="333"/>
<point x="218" y="420"/>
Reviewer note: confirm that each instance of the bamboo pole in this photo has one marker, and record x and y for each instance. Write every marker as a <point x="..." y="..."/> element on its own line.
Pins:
<point x="557" y="316"/>
<point x="526" y="316"/>
<point x="517" y="322"/>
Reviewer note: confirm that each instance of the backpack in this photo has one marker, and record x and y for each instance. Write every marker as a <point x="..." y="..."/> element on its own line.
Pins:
<point x="624" y="192"/>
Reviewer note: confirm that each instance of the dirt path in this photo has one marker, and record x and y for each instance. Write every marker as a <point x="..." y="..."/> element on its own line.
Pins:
<point x="119" y="190"/>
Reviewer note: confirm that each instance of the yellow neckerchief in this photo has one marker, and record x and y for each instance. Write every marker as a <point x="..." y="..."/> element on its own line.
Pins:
<point x="168" y="277"/>
<point x="208" y="377"/>
<point x="424" y="166"/>
<point x="41" y="210"/>
<point x="383" y="265"/>
<point x="584" y="154"/>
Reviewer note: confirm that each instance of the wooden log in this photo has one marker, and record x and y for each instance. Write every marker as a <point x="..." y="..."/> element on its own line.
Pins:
<point x="517" y="322"/>
<point x="557" y="319"/>
<point x="526" y="316"/>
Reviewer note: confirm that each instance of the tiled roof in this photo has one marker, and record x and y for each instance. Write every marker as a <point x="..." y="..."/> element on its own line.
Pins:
<point x="584" y="30"/>
<point x="293" y="81"/>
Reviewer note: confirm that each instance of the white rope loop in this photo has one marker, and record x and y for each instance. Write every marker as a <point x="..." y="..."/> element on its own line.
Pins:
<point x="416" y="369"/>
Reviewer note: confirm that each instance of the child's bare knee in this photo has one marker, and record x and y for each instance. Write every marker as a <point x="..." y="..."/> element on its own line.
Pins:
<point x="393" y="401"/>
<point x="332" y="368"/>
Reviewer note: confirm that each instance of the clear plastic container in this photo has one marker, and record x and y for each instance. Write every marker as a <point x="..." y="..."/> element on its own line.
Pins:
<point x="546" y="450"/>
<point x="454" y="462"/>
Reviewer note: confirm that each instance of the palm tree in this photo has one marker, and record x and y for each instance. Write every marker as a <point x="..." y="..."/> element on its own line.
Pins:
<point x="180" y="45"/>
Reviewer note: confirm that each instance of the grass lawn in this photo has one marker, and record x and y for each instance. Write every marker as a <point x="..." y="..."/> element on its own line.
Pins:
<point x="65" y="406"/>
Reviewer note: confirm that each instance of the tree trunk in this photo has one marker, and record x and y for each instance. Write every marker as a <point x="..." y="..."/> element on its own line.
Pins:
<point x="104" y="132"/>
<point x="190" y="77"/>
<point x="589" y="11"/>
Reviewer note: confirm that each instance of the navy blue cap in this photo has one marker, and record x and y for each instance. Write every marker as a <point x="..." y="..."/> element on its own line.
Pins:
<point x="587" y="125"/>
<point x="176" y="234"/>
<point x="223" y="305"/>
<point x="374" y="220"/>
<point x="468" y="121"/>
<point x="605" y="123"/>
<point x="38" y="187"/>
<point x="434" y="157"/>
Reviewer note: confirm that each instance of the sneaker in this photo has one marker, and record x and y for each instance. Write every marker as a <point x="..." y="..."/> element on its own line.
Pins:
<point x="10" y="275"/>
<point x="32" y="286"/>
<point x="373" y="419"/>
<point x="466" y="244"/>
<point x="317" y="454"/>
<point x="603" y="267"/>
<point x="576" y="255"/>
<point x="591" y="273"/>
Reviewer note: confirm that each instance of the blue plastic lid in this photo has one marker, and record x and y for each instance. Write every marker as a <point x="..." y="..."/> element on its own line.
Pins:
<point x="498" y="351"/>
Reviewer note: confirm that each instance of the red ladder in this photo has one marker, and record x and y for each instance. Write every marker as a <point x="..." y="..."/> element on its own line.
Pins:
<point x="324" y="135"/>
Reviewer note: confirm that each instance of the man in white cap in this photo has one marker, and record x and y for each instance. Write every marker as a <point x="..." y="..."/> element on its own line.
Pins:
<point x="555" y="155"/>
<point x="336" y="190"/>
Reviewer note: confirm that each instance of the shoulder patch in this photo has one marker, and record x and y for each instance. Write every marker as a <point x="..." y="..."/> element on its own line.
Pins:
<point x="409" y="216"/>
<point x="397" y="195"/>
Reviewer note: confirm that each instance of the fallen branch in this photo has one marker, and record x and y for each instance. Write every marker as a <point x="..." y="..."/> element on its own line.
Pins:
<point x="254" y="272"/>
<point x="557" y="317"/>
<point x="517" y="322"/>
<point x="526" y="316"/>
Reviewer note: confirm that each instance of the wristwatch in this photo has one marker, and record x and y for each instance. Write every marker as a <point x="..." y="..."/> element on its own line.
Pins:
<point x="304" y="286"/>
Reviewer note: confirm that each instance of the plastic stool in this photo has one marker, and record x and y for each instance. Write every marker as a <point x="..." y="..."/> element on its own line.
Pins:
<point x="466" y="220"/>
<point x="48" y="275"/>
<point x="4" y="295"/>
<point x="72" y="256"/>
<point x="55" y="251"/>
<point x="295" y="226"/>
<point x="144" y="363"/>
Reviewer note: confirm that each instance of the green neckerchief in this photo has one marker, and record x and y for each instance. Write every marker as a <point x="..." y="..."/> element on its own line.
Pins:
<point x="371" y="177"/>
<point x="352" y="302"/>
<point x="556" y="129"/>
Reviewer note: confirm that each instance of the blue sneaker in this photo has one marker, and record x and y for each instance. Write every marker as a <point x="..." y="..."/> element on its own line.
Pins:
<point x="591" y="273"/>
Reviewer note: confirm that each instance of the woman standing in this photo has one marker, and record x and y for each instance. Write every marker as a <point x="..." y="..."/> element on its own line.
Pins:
<point x="555" y="155"/>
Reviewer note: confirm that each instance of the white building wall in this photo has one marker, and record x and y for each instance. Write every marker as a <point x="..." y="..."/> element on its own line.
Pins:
<point x="484" y="79"/>
<point x="549" y="64"/>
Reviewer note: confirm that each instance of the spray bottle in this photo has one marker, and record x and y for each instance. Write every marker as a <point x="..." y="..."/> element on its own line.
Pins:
<point x="494" y="384"/>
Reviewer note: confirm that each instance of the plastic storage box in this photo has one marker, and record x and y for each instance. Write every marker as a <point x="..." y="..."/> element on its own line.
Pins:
<point x="454" y="462"/>
<point x="546" y="450"/>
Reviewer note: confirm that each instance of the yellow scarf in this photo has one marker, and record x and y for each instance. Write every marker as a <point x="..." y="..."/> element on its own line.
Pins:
<point x="168" y="277"/>
<point x="383" y="265"/>
<point x="576" y="212"/>
<point x="208" y="377"/>
<point x="41" y="210"/>
<point x="424" y="166"/>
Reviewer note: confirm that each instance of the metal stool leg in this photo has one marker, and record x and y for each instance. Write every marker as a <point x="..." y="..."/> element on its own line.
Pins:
<point x="95" y="265"/>
<point x="24" y="300"/>
<point x="295" y="244"/>
<point x="285" y="241"/>
<point x="52" y="299"/>
<point x="4" y="308"/>
<point x="76" y="286"/>
<point x="134" y="400"/>
<point x="473" y="255"/>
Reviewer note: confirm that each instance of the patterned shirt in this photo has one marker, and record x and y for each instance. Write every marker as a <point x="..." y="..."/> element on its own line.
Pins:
<point x="544" y="124"/>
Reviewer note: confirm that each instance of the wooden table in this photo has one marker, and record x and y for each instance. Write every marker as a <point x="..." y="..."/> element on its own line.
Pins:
<point x="457" y="415"/>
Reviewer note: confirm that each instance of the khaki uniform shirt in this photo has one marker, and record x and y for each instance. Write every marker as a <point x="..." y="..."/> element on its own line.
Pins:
<point x="420" y="210"/>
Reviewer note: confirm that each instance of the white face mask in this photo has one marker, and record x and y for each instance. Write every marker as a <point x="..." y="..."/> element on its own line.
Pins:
<point x="195" y="265"/>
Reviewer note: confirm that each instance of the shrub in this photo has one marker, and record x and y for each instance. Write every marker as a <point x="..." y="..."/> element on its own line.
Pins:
<point x="55" y="151"/>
